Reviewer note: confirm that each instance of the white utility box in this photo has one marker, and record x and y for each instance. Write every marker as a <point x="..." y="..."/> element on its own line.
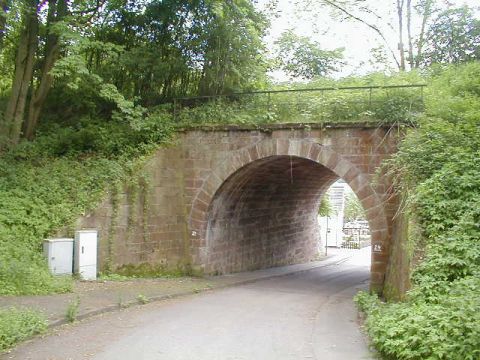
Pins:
<point x="85" y="254"/>
<point x="59" y="253"/>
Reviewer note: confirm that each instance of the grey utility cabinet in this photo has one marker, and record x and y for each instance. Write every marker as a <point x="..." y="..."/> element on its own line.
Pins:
<point x="59" y="254"/>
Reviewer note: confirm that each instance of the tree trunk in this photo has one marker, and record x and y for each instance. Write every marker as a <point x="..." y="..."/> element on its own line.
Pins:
<point x="409" y="34"/>
<point x="56" y="12"/>
<point x="24" y="63"/>
<point x="427" y="11"/>
<point x="3" y="20"/>
<point x="401" y="49"/>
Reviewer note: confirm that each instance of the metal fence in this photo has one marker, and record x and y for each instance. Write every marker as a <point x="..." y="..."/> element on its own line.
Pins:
<point x="317" y="104"/>
<point x="356" y="238"/>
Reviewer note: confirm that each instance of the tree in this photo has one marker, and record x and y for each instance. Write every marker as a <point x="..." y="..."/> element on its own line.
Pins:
<point x="452" y="37"/>
<point x="177" y="48"/>
<point x="353" y="208"/>
<point x="57" y="10"/>
<point x="425" y="9"/>
<point x="301" y="57"/>
<point x="39" y="47"/>
<point x="3" y="20"/>
<point x="325" y="208"/>
<point x="114" y="57"/>
<point x="233" y="56"/>
<point x="372" y="14"/>
<point x="24" y="66"/>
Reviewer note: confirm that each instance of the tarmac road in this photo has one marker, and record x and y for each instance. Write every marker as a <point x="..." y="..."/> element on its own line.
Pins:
<point x="307" y="315"/>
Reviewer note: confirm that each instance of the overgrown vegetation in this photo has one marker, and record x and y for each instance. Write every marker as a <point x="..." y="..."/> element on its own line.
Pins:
<point x="18" y="324"/>
<point x="46" y="184"/>
<point x="438" y="164"/>
<point x="385" y="104"/>
<point x="146" y="270"/>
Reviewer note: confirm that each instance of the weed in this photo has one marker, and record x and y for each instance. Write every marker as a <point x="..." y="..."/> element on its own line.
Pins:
<point x="142" y="299"/>
<point x="72" y="310"/>
<point x="114" y="277"/>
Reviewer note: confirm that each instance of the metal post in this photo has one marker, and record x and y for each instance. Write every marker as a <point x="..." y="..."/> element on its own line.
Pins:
<point x="326" y="239"/>
<point x="322" y="106"/>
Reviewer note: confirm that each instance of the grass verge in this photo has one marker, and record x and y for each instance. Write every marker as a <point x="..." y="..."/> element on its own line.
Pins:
<point x="19" y="324"/>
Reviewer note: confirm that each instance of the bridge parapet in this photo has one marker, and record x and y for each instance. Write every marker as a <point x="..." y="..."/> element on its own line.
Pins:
<point x="390" y="103"/>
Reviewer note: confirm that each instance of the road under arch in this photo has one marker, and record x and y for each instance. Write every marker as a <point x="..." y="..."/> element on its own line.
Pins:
<point x="265" y="214"/>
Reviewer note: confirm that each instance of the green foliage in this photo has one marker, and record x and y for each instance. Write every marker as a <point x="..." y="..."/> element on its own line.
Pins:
<point x="446" y="329"/>
<point x="453" y="37"/>
<point x="146" y="270"/>
<point x="402" y="105"/>
<point x="17" y="325"/>
<point x="114" y="59"/>
<point x="142" y="299"/>
<point x="172" y="48"/>
<point x="353" y="208"/>
<point x="438" y="165"/>
<point x="325" y="208"/>
<point x="46" y="184"/>
<point x="104" y="276"/>
<point x="303" y="58"/>
<point x="366" y="302"/>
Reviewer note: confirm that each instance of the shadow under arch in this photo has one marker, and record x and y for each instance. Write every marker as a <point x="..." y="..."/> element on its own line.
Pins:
<point x="257" y="177"/>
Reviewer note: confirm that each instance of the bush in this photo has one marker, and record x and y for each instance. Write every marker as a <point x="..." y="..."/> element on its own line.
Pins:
<point x="438" y="165"/>
<point x="446" y="329"/>
<point x="17" y="325"/>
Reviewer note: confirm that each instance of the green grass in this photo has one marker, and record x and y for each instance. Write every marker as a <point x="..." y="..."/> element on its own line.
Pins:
<point x="18" y="324"/>
<point x="146" y="270"/>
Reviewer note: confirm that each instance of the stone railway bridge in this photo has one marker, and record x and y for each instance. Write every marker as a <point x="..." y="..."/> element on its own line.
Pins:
<point x="228" y="199"/>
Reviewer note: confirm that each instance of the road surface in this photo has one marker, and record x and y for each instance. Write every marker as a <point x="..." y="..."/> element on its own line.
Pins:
<point x="308" y="315"/>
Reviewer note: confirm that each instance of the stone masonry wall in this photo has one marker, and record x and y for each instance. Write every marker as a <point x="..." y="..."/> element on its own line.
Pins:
<point x="222" y="199"/>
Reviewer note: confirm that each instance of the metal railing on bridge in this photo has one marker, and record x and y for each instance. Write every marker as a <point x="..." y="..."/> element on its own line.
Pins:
<point x="390" y="103"/>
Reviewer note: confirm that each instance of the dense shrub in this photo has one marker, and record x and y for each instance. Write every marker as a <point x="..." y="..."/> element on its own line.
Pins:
<point x="445" y="329"/>
<point x="439" y="165"/>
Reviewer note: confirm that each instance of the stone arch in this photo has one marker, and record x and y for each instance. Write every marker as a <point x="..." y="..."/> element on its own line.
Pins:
<point x="303" y="149"/>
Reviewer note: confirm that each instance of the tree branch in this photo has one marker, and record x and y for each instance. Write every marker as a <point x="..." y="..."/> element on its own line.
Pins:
<point x="371" y="26"/>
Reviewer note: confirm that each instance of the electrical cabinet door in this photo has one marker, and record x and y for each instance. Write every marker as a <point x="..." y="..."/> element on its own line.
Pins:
<point x="59" y="254"/>
<point x="86" y="254"/>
